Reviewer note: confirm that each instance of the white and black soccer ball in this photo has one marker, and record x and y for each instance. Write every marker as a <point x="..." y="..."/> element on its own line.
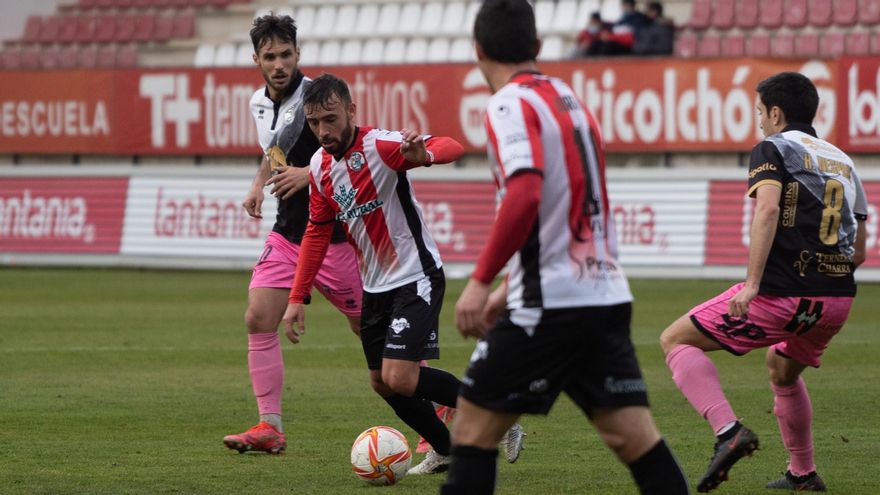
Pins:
<point x="381" y="456"/>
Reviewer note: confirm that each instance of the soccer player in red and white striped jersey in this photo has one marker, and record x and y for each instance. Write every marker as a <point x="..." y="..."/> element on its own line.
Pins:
<point x="560" y="322"/>
<point x="359" y="178"/>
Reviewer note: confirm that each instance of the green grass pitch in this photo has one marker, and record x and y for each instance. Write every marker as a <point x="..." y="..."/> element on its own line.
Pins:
<point x="120" y="381"/>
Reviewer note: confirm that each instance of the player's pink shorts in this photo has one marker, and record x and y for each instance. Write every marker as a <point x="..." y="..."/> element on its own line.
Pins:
<point x="339" y="279"/>
<point x="797" y="327"/>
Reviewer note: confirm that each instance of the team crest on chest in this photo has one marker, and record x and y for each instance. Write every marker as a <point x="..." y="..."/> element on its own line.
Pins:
<point x="356" y="161"/>
<point x="288" y="116"/>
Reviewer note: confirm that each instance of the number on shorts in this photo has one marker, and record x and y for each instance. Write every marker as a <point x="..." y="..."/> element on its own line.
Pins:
<point x="833" y="201"/>
<point x="266" y="253"/>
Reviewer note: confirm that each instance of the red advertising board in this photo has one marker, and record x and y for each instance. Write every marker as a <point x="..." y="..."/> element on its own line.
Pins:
<point x="642" y="105"/>
<point x="70" y="215"/>
<point x="730" y="215"/>
<point x="858" y="84"/>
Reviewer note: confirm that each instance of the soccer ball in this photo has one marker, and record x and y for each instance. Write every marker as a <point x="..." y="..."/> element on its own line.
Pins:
<point x="381" y="456"/>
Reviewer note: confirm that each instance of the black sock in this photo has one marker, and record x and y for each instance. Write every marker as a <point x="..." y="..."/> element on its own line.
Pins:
<point x="727" y="435"/>
<point x="657" y="472"/>
<point x="437" y="386"/>
<point x="472" y="471"/>
<point x="420" y="416"/>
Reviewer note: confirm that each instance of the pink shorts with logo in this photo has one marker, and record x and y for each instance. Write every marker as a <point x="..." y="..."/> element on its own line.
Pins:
<point x="796" y="327"/>
<point x="339" y="279"/>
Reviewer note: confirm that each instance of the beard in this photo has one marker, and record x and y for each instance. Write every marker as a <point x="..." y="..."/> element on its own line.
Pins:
<point x="275" y="84"/>
<point x="337" y="146"/>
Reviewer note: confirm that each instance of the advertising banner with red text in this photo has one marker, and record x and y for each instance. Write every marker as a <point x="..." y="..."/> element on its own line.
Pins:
<point x="654" y="105"/>
<point x="69" y="215"/>
<point x="730" y="215"/>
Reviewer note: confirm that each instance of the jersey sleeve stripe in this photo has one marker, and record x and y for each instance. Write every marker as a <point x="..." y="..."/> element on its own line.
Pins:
<point x="774" y="182"/>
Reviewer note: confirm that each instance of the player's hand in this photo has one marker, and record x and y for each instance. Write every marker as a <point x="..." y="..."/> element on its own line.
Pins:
<point x="495" y="305"/>
<point x="287" y="181"/>
<point x="738" y="305"/>
<point x="253" y="203"/>
<point x="469" y="310"/>
<point x="412" y="147"/>
<point x="294" y="321"/>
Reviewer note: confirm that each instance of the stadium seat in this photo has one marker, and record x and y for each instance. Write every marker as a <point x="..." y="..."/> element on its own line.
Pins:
<point x="305" y="20"/>
<point x="709" y="45"/>
<point x="49" y="58"/>
<point x="244" y="54"/>
<point x="410" y="15"/>
<point x="87" y="4"/>
<point x="395" y="51"/>
<point x="806" y="45"/>
<point x="733" y="45"/>
<point x="846" y="12"/>
<point x="438" y="50"/>
<point x="309" y="53"/>
<point x="819" y="13"/>
<point x="106" y="57"/>
<point x="584" y="11"/>
<point x="262" y="11"/>
<point x="346" y="17"/>
<point x="453" y="18"/>
<point x="432" y="13"/>
<point x="10" y="59"/>
<point x="87" y="57"/>
<point x="470" y="16"/>
<point x="105" y="29"/>
<point x="796" y="13"/>
<point x="204" y="56"/>
<point x="86" y="26"/>
<point x="747" y="14"/>
<point x="858" y="43"/>
<point x="50" y="29"/>
<point x="869" y="12"/>
<point x="67" y="30"/>
<point x="163" y="28"/>
<point x="373" y="51"/>
<point x="611" y="10"/>
<point x="331" y="50"/>
<point x="723" y="13"/>
<point x="350" y="53"/>
<point x="461" y="50"/>
<point x="686" y="45"/>
<point x="832" y="44"/>
<point x="183" y="26"/>
<point x="324" y="22"/>
<point x="104" y="4"/>
<point x="564" y="18"/>
<point x="125" y="27"/>
<point x="701" y="14"/>
<point x="32" y="28"/>
<point x="758" y="45"/>
<point x="782" y="45"/>
<point x="389" y="16"/>
<point x="544" y="10"/>
<point x="368" y="19"/>
<point x="30" y="58"/>
<point x="771" y="14"/>
<point x="552" y="48"/>
<point x="224" y="55"/>
<point x="126" y="57"/>
<point x="144" y="25"/>
<point x="416" y="51"/>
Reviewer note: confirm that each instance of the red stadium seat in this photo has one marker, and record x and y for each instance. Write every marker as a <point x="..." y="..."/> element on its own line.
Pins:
<point x="686" y="45"/>
<point x="105" y="4"/>
<point x="142" y="4"/>
<point x="30" y="58"/>
<point x="220" y="4"/>
<point x="144" y="27"/>
<point x="846" y="12"/>
<point x="747" y="14"/>
<point x="758" y="45"/>
<point x="86" y="26"/>
<point x="163" y="28"/>
<point x="796" y="13"/>
<point x="49" y="58"/>
<point x="105" y="28"/>
<point x="709" y="45"/>
<point x="68" y="29"/>
<point x="722" y="16"/>
<point x="88" y="57"/>
<point x="68" y="57"/>
<point x="858" y="43"/>
<point x="106" y="57"/>
<point x="819" y="13"/>
<point x="701" y="14"/>
<point x="32" y="28"/>
<point x="87" y="4"/>
<point x="869" y="12"/>
<point x="771" y="14"/>
<point x="10" y="59"/>
<point x="184" y="26"/>
<point x="124" y="4"/>
<point x="125" y="26"/>
<point x="782" y="45"/>
<point x="806" y="45"/>
<point x="832" y="45"/>
<point x="127" y="57"/>
<point x="51" y="28"/>
<point x="733" y="45"/>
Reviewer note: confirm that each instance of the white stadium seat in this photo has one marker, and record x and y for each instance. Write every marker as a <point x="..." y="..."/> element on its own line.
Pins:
<point x="373" y="51"/>
<point x="309" y="53"/>
<point x="470" y="17"/>
<point x="416" y="51"/>
<point x="438" y="50"/>
<point x="388" y="17"/>
<point x="262" y="11"/>
<point x="611" y="10"/>
<point x="585" y="10"/>
<point x="544" y="15"/>
<point x="324" y="25"/>
<point x="224" y="56"/>
<point x="395" y="51"/>
<point x="346" y="18"/>
<point x="351" y="52"/>
<point x="330" y="53"/>
<point x="305" y="20"/>
<point x="286" y="10"/>
<point x="204" y="56"/>
<point x="453" y="18"/>
<point x="462" y="50"/>
<point x="368" y="18"/>
<point x="409" y="19"/>
<point x="432" y="16"/>
<point x="244" y="54"/>
<point x="564" y="18"/>
<point x="552" y="48"/>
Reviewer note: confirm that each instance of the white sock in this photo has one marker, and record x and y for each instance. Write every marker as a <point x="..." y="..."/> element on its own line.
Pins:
<point x="274" y="420"/>
<point x="722" y="431"/>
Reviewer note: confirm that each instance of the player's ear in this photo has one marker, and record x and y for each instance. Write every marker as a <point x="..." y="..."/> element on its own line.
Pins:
<point x="256" y="59"/>
<point x="352" y="110"/>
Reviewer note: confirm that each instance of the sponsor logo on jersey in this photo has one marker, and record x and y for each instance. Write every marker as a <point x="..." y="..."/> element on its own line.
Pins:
<point x="348" y="209"/>
<point x="345" y="197"/>
<point x="761" y="168"/>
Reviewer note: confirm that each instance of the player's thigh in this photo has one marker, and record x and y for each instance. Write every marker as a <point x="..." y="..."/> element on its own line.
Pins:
<point x="265" y="309"/>
<point x="339" y="280"/>
<point x="683" y="332"/>
<point x="628" y="431"/>
<point x="479" y="427"/>
<point x="808" y="324"/>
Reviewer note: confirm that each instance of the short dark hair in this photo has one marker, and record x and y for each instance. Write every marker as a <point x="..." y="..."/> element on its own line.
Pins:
<point x="323" y="88"/>
<point x="271" y="26"/>
<point x="656" y="7"/>
<point x="793" y="93"/>
<point x="506" y="31"/>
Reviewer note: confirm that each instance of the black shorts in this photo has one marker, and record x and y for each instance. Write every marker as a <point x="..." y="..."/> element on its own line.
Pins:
<point x="585" y="352"/>
<point x="403" y="323"/>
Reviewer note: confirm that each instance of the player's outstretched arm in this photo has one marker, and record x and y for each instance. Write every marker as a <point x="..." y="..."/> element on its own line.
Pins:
<point x="417" y="152"/>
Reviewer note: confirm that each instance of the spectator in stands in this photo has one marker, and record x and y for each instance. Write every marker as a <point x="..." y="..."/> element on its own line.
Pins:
<point x="632" y="18"/>
<point x="599" y="39"/>
<point x="657" y="37"/>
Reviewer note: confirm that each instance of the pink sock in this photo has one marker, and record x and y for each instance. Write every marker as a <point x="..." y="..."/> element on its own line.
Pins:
<point x="794" y="413"/>
<point x="267" y="370"/>
<point x="695" y="375"/>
